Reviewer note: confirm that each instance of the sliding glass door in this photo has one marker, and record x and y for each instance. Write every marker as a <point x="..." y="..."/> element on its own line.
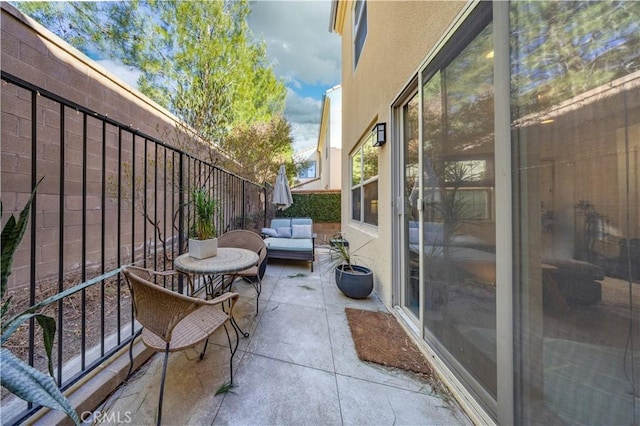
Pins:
<point x="520" y="225"/>
<point x="410" y="220"/>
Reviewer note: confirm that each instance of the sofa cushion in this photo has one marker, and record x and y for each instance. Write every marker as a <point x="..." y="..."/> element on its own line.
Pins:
<point x="284" y="232"/>
<point x="280" y="223"/>
<point x="300" y="231"/>
<point x="301" y="221"/>
<point x="269" y="232"/>
<point x="291" y="244"/>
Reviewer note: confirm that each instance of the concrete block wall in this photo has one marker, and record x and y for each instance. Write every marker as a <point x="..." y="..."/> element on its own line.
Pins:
<point x="32" y="53"/>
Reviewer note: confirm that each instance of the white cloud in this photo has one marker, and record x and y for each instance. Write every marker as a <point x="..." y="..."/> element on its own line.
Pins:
<point x="125" y="73"/>
<point x="302" y="109"/>
<point x="297" y="35"/>
<point x="305" y="136"/>
<point x="304" y="115"/>
<point x="304" y="53"/>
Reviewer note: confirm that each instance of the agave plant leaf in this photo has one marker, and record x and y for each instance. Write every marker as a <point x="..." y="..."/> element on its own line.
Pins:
<point x="9" y="327"/>
<point x="12" y="233"/>
<point x="48" y="325"/>
<point x="5" y="307"/>
<point x="33" y="385"/>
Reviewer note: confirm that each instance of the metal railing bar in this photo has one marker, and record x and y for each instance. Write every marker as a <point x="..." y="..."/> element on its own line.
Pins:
<point x="61" y="241"/>
<point x="180" y="212"/>
<point x="83" y="255"/>
<point x="119" y="231"/>
<point x="144" y="201"/>
<point x="133" y="198"/>
<point x="103" y="207"/>
<point x="155" y="207"/>
<point x="32" y="263"/>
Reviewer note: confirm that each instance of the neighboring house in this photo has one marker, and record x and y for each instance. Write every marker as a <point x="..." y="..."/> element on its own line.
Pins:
<point x="307" y="178"/>
<point x="325" y="162"/>
<point x="502" y="215"/>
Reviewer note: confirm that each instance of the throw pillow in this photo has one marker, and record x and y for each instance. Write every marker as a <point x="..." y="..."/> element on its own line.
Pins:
<point x="284" y="232"/>
<point x="301" y="231"/>
<point x="414" y="235"/>
<point x="269" y="232"/>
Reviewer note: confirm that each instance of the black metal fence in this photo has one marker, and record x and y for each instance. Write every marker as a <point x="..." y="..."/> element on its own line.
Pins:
<point x="111" y="196"/>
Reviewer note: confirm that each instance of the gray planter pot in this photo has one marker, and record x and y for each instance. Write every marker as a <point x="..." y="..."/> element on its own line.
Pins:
<point x="356" y="284"/>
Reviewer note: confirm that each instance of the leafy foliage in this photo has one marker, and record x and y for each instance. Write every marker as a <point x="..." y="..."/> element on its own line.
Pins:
<point x="32" y="385"/>
<point x="261" y="148"/>
<point x="12" y="234"/>
<point x="562" y="49"/>
<point x="206" y="209"/>
<point x="19" y="378"/>
<point x="321" y="207"/>
<point x="199" y="59"/>
<point x="226" y="387"/>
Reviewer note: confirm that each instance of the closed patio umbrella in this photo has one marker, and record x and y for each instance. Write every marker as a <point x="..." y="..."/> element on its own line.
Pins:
<point x="281" y="192"/>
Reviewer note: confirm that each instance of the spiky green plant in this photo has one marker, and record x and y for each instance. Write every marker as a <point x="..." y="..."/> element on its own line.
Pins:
<point x="19" y="378"/>
<point x="206" y="209"/>
<point x="341" y="254"/>
<point x="226" y="387"/>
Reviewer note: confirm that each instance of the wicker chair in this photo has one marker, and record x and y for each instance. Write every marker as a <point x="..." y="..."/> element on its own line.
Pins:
<point x="251" y="241"/>
<point x="174" y="322"/>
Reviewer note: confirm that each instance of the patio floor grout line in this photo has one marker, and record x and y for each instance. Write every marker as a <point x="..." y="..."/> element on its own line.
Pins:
<point x="333" y="358"/>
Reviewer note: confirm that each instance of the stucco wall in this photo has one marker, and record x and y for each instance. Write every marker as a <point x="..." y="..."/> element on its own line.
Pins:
<point x="400" y="34"/>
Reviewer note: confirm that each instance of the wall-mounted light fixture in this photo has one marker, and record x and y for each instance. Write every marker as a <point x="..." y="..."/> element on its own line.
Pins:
<point x="379" y="134"/>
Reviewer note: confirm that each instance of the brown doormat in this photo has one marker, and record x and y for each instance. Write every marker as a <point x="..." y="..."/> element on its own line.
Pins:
<point x="380" y="339"/>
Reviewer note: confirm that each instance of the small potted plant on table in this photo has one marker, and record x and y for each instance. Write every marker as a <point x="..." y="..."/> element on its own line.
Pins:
<point x="204" y="242"/>
<point x="354" y="281"/>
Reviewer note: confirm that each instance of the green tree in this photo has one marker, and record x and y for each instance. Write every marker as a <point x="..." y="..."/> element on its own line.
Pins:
<point x="271" y="146"/>
<point x="562" y="49"/>
<point x="199" y="59"/>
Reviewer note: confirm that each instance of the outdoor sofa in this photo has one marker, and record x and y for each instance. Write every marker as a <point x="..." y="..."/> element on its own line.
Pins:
<point x="290" y="238"/>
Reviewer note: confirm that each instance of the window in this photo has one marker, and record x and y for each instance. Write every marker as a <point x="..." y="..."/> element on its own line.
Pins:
<point x="309" y="171"/>
<point x="359" y="29"/>
<point x="364" y="183"/>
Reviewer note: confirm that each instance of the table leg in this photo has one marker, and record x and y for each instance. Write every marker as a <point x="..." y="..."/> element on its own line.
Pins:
<point x="233" y="320"/>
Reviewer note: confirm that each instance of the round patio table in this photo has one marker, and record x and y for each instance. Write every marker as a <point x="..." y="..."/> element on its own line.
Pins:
<point x="228" y="261"/>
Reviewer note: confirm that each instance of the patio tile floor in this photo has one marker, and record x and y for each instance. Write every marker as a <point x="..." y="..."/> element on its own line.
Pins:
<point x="297" y="367"/>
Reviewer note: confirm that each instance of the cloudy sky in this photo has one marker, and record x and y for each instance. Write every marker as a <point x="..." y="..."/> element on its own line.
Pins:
<point x="304" y="54"/>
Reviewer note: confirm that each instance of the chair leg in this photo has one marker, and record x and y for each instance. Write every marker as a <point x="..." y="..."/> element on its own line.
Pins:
<point x="236" y="326"/>
<point x="232" y="350"/>
<point x="139" y="332"/>
<point x="204" y="349"/>
<point x="258" y="287"/>
<point x="164" y="374"/>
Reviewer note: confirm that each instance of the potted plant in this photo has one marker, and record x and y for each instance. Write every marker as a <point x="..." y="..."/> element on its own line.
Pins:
<point x="204" y="242"/>
<point x="354" y="281"/>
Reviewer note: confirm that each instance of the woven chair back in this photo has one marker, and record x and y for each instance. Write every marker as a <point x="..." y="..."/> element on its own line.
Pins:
<point x="156" y="308"/>
<point x="244" y="239"/>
